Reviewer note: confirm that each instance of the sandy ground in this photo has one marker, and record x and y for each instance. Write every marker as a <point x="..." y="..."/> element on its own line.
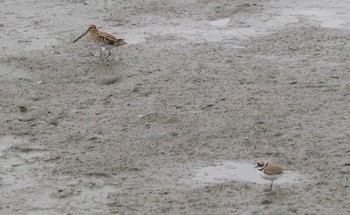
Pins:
<point x="200" y="82"/>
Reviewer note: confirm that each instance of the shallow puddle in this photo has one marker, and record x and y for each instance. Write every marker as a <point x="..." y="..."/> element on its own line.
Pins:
<point x="135" y="37"/>
<point x="237" y="171"/>
<point x="220" y="22"/>
<point x="327" y="18"/>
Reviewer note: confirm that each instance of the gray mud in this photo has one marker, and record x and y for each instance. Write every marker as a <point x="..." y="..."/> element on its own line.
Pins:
<point x="200" y="82"/>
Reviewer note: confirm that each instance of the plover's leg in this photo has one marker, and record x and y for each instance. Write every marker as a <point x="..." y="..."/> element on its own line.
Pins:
<point x="271" y="186"/>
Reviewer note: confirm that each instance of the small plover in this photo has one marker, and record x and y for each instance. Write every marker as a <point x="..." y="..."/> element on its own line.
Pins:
<point x="270" y="171"/>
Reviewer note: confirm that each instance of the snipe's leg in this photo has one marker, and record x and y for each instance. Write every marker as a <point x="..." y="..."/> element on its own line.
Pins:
<point x="108" y="54"/>
<point x="103" y="53"/>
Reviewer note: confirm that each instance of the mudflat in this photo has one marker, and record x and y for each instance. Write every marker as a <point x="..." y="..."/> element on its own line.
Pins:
<point x="199" y="85"/>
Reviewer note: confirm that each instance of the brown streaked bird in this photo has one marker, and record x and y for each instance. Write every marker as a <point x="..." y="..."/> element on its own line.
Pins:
<point x="105" y="41"/>
<point x="270" y="171"/>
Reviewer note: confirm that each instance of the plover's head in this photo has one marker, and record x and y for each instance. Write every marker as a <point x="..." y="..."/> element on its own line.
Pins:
<point x="261" y="165"/>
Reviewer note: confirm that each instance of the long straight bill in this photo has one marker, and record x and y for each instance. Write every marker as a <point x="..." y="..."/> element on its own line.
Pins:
<point x="81" y="36"/>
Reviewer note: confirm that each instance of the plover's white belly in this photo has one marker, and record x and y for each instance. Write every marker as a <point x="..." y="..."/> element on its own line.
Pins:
<point x="269" y="177"/>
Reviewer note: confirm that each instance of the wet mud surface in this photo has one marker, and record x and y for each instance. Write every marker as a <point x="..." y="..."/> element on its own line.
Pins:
<point x="159" y="127"/>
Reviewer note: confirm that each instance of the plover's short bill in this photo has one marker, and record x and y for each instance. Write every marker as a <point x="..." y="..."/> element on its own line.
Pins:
<point x="105" y="41"/>
<point x="270" y="171"/>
